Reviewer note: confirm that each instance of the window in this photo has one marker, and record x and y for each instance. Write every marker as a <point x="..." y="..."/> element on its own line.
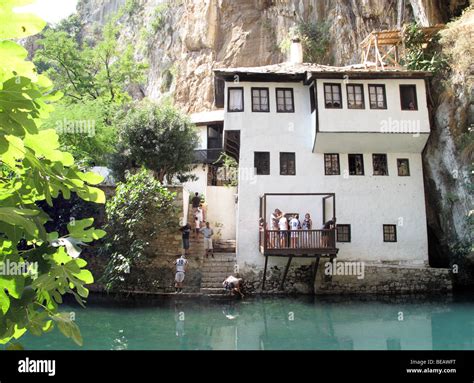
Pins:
<point x="408" y="97"/>
<point x="219" y="87"/>
<point x="389" y="233"/>
<point x="355" y="96"/>
<point x="285" y="100"/>
<point x="214" y="136"/>
<point x="343" y="233"/>
<point x="379" y="162"/>
<point x="235" y="100"/>
<point x="403" y="167"/>
<point x="356" y="164"/>
<point x="312" y="98"/>
<point x="332" y="96"/>
<point x="377" y="97"/>
<point x="331" y="164"/>
<point x="261" y="163"/>
<point x="260" y="100"/>
<point x="287" y="164"/>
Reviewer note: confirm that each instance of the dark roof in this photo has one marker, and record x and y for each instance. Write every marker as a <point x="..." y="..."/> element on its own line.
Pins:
<point x="291" y="72"/>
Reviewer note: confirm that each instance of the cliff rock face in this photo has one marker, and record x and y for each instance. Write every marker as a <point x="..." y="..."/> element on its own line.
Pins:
<point x="194" y="36"/>
<point x="183" y="40"/>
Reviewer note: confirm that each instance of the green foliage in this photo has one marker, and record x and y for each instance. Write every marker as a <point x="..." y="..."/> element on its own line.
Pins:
<point x="418" y="55"/>
<point x="131" y="7"/>
<point x="33" y="170"/>
<point x="100" y="69"/>
<point x="140" y="208"/>
<point x="229" y="169"/>
<point x="159" y="17"/>
<point x="159" y="138"/>
<point x="85" y="130"/>
<point x="314" y="40"/>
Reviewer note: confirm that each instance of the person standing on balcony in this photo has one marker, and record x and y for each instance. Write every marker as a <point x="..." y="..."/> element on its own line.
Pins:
<point x="275" y="217"/>
<point x="283" y="225"/>
<point x="307" y="225"/>
<point x="294" y="225"/>
<point x="208" y="233"/>
<point x="196" y="201"/>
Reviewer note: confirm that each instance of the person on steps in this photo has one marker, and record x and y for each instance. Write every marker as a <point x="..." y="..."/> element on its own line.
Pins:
<point x="208" y="233"/>
<point x="180" y="263"/>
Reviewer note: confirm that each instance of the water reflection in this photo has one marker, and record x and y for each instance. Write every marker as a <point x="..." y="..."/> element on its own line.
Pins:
<point x="277" y="323"/>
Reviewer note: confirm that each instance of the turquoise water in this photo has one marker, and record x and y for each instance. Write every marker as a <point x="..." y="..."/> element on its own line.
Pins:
<point x="270" y="324"/>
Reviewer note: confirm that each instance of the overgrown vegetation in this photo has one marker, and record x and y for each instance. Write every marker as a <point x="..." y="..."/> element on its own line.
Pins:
<point x="314" y="40"/>
<point x="158" y="138"/>
<point x="37" y="266"/>
<point x="419" y="55"/>
<point x="140" y="208"/>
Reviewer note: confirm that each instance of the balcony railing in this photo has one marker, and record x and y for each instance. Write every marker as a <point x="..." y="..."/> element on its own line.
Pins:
<point x="283" y="242"/>
<point x="207" y="156"/>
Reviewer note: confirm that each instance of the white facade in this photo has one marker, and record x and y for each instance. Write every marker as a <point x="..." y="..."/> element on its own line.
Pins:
<point x="366" y="202"/>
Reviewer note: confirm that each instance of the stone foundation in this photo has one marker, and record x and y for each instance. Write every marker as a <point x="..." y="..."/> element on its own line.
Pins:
<point x="377" y="279"/>
<point x="386" y="279"/>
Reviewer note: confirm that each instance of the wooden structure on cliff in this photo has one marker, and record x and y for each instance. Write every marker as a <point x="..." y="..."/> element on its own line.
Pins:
<point x="385" y="47"/>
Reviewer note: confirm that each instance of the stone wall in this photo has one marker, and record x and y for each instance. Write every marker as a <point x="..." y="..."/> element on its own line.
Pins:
<point x="378" y="279"/>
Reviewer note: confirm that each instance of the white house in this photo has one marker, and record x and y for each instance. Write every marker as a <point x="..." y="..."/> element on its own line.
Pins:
<point x="350" y="138"/>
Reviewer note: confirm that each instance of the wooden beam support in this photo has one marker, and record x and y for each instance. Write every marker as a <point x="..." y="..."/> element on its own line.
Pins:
<point x="286" y="272"/>
<point x="265" y="273"/>
<point x="315" y="272"/>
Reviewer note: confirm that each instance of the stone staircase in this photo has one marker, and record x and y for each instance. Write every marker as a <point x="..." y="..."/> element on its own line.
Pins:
<point x="215" y="271"/>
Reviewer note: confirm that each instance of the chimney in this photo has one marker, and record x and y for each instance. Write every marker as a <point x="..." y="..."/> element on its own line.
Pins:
<point x="296" y="51"/>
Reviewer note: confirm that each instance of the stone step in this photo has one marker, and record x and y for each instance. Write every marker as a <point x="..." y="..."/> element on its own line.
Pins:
<point x="213" y="291"/>
<point x="217" y="272"/>
<point x="220" y="271"/>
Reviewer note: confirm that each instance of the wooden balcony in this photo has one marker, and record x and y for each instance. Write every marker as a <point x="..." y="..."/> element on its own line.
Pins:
<point x="298" y="242"/>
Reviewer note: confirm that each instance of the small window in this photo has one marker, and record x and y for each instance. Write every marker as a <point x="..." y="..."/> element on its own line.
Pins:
<point x="403" y="167"/>
<point x="235" y="100"/>
<point x="356" y="164"/>
<point x="331" y="164"/>
<point x="312" y="98"/>
<point x="287" y="164"/>
<point x="260" y="101"/>
<point x="219" y="88"/>
<point x="408" y="97"/>
<point x="355" y="96"/>
<point x="343" y="233"/>
<point x="379" y="162"/>
<point x="262" y="163"/>
<point x="377" y="97"/>
<point x="285" y="100"/>
<point x="389" y="233"/>
<point x="332" y="96"/>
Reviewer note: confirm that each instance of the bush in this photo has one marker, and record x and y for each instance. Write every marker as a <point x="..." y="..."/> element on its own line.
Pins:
<point x="140" y="209"/>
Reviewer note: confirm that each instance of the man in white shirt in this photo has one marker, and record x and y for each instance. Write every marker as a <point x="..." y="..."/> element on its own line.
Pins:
<point x="208" y="233"/>
<point x="180" y="263"/>
<point x="294" y="225"/>
<point x="283" y="226"/>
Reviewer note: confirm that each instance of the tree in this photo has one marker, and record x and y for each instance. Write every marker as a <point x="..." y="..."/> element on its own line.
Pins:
<point x="157" y="137"/>
<point x="89" y="69"/>
<point x="36" y="267"/>
<point x="85" y="130"/>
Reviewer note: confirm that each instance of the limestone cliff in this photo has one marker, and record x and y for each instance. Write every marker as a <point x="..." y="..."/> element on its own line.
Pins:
<point x="183" y="40"/>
